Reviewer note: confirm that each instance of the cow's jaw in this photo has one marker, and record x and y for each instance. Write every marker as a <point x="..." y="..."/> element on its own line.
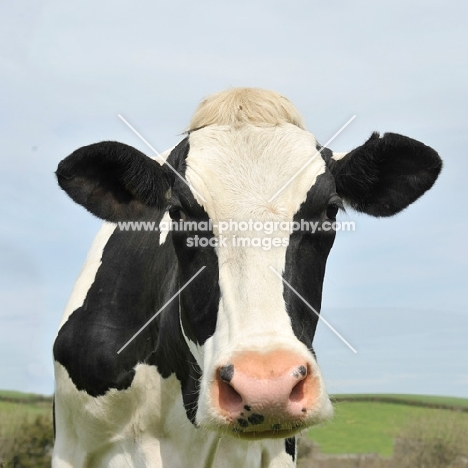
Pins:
<point x="276" y="388"/>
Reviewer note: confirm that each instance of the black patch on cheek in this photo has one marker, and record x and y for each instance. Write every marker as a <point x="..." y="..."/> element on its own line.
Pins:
<point x="226" y="373"/>
<point x="200" y="300"/>
<point x="291" y="447"/>
<point x="256" y="418"/>
<point x="306" y="257"/>
<point x="247" y="408"/>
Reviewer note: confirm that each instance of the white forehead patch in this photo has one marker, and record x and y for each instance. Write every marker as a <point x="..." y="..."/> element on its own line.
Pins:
<point x="238" y="169"/>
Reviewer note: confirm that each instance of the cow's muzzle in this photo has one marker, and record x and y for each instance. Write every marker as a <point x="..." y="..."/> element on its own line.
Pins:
<point x="267" y="395"/>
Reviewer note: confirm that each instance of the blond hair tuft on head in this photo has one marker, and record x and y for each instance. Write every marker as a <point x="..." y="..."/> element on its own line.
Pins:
<point x="239" y="106"/>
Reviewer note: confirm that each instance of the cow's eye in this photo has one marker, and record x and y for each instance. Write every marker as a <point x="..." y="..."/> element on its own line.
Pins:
<point x="177" y="214"/>
<point x="332" y="210"/>
<point x="334" y="205"/>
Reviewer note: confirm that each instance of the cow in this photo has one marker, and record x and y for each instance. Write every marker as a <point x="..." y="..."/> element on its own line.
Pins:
<point x="186" y="348"/>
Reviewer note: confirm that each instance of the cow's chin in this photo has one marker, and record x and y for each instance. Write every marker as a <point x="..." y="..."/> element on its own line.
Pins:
<point x="269" y="430"/>
<point x="267" y="434"/>
<point x="257" y="433"/>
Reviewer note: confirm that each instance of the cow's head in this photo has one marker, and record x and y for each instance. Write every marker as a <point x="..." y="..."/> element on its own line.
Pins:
<point x="250" y="316"/>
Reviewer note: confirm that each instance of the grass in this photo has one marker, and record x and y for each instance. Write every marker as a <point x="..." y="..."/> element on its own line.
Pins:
<point x="370" y="426"/>
<point x="362" y="423"/>
<point x="17" y="408"/>
<point x="13" y="394"/>
<point x="423" y="400"/>
<point x="25" y="427"/>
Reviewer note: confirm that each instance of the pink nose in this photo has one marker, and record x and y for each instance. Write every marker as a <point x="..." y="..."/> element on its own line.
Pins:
<point x="273" y="390"/>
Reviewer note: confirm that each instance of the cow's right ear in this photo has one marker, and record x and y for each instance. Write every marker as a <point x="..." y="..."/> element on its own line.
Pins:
<point x="385" y="174"/>
<point x="115" y="182"/>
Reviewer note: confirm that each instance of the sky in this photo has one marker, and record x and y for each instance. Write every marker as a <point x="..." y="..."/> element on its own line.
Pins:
<point x="395" y="288"/>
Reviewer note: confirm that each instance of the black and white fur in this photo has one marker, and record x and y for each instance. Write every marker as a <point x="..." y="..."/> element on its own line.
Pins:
<point x="150" y="406"/>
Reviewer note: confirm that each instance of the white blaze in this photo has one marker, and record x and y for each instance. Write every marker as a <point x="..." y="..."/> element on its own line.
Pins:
<point x="237" y="170"/>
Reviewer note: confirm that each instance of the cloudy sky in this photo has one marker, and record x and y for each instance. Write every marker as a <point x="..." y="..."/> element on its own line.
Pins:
<point x="395" y="288"/>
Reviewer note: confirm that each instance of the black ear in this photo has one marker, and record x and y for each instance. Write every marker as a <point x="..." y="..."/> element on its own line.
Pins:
<point x="385" y="174"/>
<point x="114" y="181"/>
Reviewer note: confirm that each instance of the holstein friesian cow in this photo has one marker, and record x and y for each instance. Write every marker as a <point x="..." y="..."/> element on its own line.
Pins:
<point x="225" y="375"/>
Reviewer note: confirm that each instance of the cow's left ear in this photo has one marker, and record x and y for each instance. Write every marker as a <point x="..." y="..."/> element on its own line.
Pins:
<point x="385" y="174"/>
<point x="115" y="182"/>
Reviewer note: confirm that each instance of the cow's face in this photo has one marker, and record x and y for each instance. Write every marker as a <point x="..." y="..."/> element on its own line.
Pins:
<point x="250" y="316"/>
<point x="253" y="339"/>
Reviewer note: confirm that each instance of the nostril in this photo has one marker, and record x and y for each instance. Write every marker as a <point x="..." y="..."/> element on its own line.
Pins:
<point x="226" y="373"/>
<point x="229" y="399"/>
<point x="297" y="393"/>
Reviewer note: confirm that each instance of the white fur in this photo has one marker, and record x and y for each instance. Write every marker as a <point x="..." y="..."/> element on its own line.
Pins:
<point x="145" y="426"/>
<point x="237" y="170"/>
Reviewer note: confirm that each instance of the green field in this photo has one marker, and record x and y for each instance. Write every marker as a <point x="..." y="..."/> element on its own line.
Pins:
<point x="17" y="407"/>
<point x="419" y="400"/>
<point x="364" y="425"/>
<point x="26" y="430"/>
